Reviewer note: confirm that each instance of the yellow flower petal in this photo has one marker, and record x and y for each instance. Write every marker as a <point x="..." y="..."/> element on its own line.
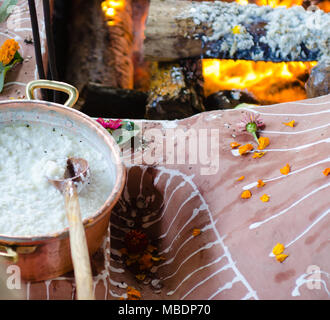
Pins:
<point x="264" y="198"/>
<point x="281" y="257"/>
<point x="245" y="149"/>
<point x="236" y="30"/>
<point x="246" y="194"/>
<point x="285" y="170"/>
<point x="241" y="178"/>
<point x="263" y="143"/>
<point x="258" y="155"/>
<point x="260" y="184"/>
<point x="290" y="124"/>
<point x="278" y="249"/>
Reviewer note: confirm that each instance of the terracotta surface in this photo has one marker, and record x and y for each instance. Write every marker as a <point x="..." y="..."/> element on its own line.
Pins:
<point x="18" y="27"/>
<point x="231" y="258"/>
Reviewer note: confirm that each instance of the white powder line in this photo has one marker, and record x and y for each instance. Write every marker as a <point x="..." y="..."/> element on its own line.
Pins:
<point x="254" y="184"/>
<point x="192" y="195"/>
<point x="258" y="224"/>
<point x="227" y="286"/>
<point x="209" y="245"/>
<point x="323" y="215"/>
<point x="196" y="270"/>
<point x="235" y="152"/>
<point x="297" y="132"/>
<point x="206" y="279"/>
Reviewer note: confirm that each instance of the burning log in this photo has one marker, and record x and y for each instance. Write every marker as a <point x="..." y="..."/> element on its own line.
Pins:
<point x="318" y="83"/>
<point x="100" y="48"/>
<point x="181" y="29"/>
<point x="170" y="96"/>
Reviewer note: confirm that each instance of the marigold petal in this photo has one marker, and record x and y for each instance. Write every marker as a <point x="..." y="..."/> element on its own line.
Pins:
<point x="260" y="184"/>
<point x="241" y="178"/>
<point x="278" y="249"/>
<point x="326" y="172"/>
<point x="246" y="194"/>
<point x="281" y="257"/>
<point x="245" y="149"/>
<point x="264" y="198"/>
<point x="234" y="145"/>
<point x="258" y="155"/>
<point x="286" y="169"/>
<point x="196" y="232"/>
<point x="290" y="124"/>
<point x="263" y="143"/>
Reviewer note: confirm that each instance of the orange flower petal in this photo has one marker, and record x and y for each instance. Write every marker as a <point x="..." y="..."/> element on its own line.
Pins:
<point x="264" y="198"/>
<point x="246" y="194"/>
<point x="263" y="143"/>
<point x="260" y="184"/>
<point x="196" y="232"/>
<point x="326" y="172"/>
<point x="286" y="169"/>
<point x="281" y="257"/>
<point x="278" y="249"/>
<point x="245" y="149"/>
<point x="140" y="276"/>
<point x="234" y="145"/>
<point x="241" y="178"/>
<point x="258" y="155"/>
<point x="290" y="124"/>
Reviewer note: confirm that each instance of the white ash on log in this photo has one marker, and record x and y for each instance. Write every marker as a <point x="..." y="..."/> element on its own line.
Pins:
<point x="170" y="97"/>
<point x="181" y="29"/>
<point x="97" y="51"/>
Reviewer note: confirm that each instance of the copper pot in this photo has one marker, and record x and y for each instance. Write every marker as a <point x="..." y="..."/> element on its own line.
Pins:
<point x="47" y="256"/>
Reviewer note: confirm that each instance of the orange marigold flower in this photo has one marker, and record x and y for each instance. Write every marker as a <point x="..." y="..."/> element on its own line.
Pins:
<point x="8" y="50"/>
<point x="246" y="194"/>
<point x="246" y="148"/>
<point x="234" y="145"/>
<point x="260" y="184"/>
<point x="258" y="155"/>
<point x="241" y="178"/>
<point x="290" y="124"/>
<point x="278" y="249"/>
<point x="264" y="198"/>
<point x="326" y="172"/>
<point x="196" y="232"/>
<point x="281" y="257"/>
<point x="286" y="169"/>
<point x="133" y="294"/>
<point x="263" y="143"/>
<point x="146" y="261"/>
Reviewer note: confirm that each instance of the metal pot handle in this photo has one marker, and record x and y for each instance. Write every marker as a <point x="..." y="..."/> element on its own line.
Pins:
<point x="54" y="85"/>
<point x="10" y="254"/>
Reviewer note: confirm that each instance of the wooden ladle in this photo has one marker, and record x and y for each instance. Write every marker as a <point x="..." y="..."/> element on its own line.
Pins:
<point x="75" y="178"/>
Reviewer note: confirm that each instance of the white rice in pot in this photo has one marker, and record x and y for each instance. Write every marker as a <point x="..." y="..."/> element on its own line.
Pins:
<point x="29" y="204"/>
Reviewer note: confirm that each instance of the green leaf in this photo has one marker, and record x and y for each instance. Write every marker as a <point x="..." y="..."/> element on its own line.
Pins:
<point x="5" y="10"/>
<point x="4" y="69"/>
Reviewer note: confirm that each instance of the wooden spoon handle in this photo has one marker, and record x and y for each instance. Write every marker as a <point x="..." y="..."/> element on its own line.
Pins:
<point x="78" y="243"/>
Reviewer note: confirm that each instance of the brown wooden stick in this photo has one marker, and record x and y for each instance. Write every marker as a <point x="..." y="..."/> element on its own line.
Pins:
<point x="78" y="243"/>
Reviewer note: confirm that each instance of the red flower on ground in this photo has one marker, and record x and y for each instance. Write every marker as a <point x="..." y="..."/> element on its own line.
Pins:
<point x="110" y="124"/>
<point x="136" y="241"/>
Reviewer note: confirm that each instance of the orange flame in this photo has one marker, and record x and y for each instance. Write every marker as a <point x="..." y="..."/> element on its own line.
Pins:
<point x="269" y="82"/>
<point x="111" y="9"/>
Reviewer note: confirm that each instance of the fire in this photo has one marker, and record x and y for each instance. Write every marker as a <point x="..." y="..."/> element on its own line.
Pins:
<point x="269" y="82"/>
<point x="111" y="9"/>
